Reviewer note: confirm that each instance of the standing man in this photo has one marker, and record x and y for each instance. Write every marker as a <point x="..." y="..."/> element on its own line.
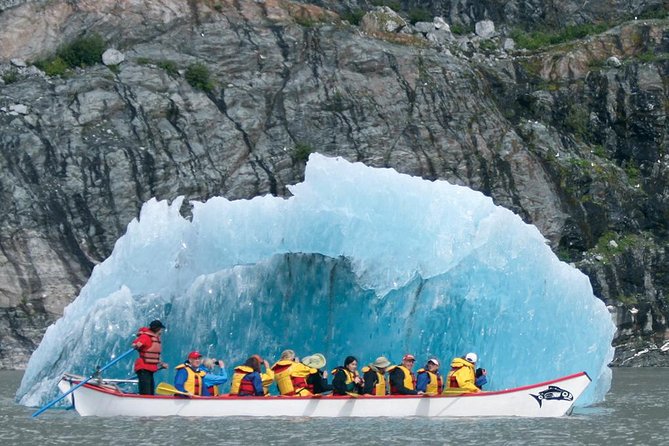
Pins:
<point x="149" y="347"/>
<point x="402" y="380"/>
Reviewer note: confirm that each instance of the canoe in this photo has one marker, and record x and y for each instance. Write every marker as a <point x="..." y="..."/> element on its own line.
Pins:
<point x="553" y="398"/>
<point x="547" y="399"/>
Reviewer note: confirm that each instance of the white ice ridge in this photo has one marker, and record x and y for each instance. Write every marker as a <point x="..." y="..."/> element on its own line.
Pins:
<point x="446" y="269"/>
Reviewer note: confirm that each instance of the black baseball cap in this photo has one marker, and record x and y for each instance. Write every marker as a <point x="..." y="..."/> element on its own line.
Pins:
<point x="154" y="325"/>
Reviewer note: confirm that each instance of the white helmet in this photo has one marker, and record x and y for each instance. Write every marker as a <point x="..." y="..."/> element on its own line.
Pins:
<point x="471" y="357"/>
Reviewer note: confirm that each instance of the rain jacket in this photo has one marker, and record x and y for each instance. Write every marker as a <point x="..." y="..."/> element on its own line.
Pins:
<point x="212" y="381"/>
<point x="461" y="378"/>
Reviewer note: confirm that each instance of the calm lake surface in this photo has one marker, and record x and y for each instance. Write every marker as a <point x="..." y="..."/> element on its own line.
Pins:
<point x="636" y="412"/>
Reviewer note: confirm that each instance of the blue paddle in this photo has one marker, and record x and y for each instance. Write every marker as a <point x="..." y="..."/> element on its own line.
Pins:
<point x="48" y="405"/>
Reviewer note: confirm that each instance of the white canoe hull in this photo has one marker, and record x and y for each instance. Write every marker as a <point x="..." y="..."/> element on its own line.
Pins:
<point x="548" y="399"/>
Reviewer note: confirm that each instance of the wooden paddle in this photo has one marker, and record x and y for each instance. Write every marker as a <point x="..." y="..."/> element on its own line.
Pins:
<point x="169" y="389"/>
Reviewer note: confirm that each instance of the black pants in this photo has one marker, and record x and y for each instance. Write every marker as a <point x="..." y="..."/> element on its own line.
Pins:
<point x="145" y="382"/>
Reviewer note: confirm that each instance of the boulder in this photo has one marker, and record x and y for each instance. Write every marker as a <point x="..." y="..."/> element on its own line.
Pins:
<point x="440" y="36"/>
<point x="19" y="63"/>
<point x="382" y="19"/>
<point x="112" y="57"/>
<point x="485" y="29"/>
<point x="19" y="109"/>
<point x="508" y="44"/>
<point x="424" y="27"/>
<point x="613" y="61"/>
<point x="440" y="23"/>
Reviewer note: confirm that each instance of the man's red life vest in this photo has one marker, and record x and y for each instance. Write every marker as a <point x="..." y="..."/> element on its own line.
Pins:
<point x="149" y="357"/>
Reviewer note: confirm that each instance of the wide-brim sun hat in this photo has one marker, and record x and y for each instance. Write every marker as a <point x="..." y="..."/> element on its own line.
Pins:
<point x="315" y="361"/>
<point x="381" y="362"/>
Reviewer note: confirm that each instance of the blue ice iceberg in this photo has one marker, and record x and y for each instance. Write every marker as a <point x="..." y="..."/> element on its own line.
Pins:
<point x="358" y="261"/>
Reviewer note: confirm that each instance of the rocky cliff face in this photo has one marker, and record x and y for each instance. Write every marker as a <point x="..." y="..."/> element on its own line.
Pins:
<point x="572" y="137"/>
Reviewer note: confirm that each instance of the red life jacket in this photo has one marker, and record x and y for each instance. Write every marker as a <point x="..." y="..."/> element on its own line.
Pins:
<point x="246" y="386"/>
<point x="152" y="354"/>
<point x="453" y="382"/>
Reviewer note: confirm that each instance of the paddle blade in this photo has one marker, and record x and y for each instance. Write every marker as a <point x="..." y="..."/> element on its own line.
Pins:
<point x="168" y="389"/>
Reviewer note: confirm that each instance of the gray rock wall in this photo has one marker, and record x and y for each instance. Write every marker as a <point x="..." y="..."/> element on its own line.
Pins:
<point x="573" y="145"/>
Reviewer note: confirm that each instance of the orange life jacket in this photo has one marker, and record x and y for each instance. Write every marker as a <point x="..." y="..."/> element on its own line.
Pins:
<point x="152" y="354"/>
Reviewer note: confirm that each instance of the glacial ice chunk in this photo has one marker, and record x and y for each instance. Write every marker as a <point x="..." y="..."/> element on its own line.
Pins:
<point x="360" y="261"/>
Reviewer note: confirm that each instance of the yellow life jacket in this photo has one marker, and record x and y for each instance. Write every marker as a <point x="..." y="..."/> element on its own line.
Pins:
<point x="462" y="377"/>
<point x="409" y="381"/>
<point x="267" y="380"/>
<point x="194" y="382"/>
<point x="291" y="377"/>
<point x="240" y="372"/>
<point x="380" y="386"/>
<point x="348" y="381"/>
<point x="435" y="386"/>
<point x="282" y="376"/>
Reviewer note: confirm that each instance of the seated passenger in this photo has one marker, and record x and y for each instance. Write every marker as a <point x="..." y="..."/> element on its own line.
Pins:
<point x="461" y="378"/>
<point x="189" y="377"/>
<point x="428" y="380"/>
<point x="481" y="378"/>
<point x="212" y="380"/>
<point x="267" y="376"/>
<point x="402" y="380"/>
<point x="374" y="377"/>
<point x="291" y="375"/>
<point x="246" y="380"/>
<point x="346" y="379"/>
<point x="317" y="383"/>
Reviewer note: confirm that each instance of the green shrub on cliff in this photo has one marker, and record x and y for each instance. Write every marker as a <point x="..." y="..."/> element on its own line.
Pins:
<point x="83" y="52"/>
<point x="354" y="16"/>
<point x="302" y="151"/>
<point x="419" y="15"/>
<point x="53" y="67"/>
<point x="9" y="77"/>
<point x="198" y="76"/>
<point x="169" y="66"/>
<point x="460" y="30"/>
<point x="539" y="39"/>
<point x="392" y="4"/>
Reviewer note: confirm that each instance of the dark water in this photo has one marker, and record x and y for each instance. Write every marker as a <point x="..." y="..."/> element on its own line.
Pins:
<point x="636" y="412"/>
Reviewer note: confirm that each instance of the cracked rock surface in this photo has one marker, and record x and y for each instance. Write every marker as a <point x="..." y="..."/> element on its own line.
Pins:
<point x="574" y="145"/>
